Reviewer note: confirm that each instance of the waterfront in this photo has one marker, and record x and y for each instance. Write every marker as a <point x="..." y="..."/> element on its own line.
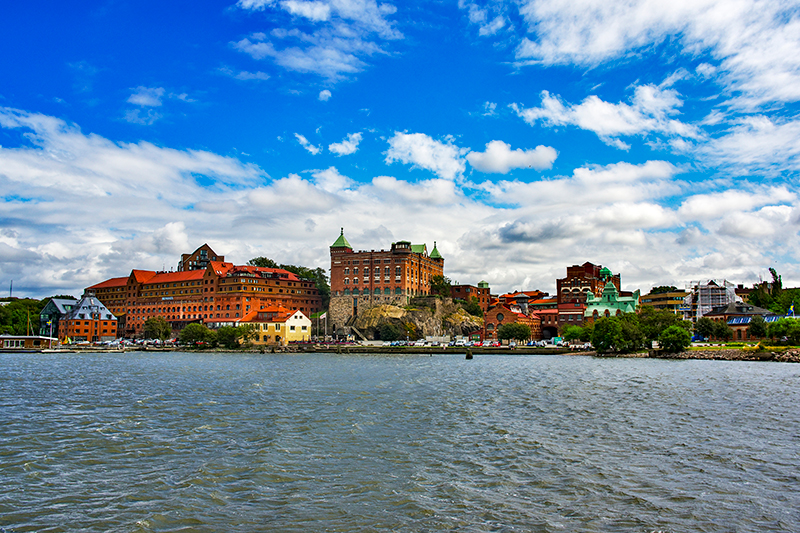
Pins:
<point x="319" y="442"/>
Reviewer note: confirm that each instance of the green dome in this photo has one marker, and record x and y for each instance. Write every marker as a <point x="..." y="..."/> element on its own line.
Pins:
<point x="605" y="272"/>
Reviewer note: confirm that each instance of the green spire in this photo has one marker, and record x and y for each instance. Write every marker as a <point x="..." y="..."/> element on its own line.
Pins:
<point x="341" y="242"/>
<point x="435" y="253"/>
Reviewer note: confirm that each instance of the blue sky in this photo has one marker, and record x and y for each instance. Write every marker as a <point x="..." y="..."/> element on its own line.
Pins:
<point x="659" y="139"/>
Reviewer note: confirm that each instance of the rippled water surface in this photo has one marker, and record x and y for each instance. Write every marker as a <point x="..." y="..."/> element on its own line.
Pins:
<point x="222" y="442"/>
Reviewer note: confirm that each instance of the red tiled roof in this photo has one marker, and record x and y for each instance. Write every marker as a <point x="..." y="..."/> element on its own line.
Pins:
<point x="171" y="277"/>
<point x="285" y="274"/>
<point x="141" y="276"/>
<point x="113" y="282"/>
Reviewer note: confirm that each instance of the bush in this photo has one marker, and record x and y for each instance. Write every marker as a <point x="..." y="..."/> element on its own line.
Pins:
<point x="674" y="339"/>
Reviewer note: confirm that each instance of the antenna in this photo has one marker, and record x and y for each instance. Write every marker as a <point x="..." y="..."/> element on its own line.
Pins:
<point x="11" y="289"/>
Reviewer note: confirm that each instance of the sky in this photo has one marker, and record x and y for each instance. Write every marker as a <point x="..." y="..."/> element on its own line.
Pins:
<point x="659" y="139"/>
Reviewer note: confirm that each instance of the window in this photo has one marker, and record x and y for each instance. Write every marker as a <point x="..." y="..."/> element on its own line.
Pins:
<point x="291" y="328"/>
<point x="277" y="327"/>
<point x="500" y="317"/>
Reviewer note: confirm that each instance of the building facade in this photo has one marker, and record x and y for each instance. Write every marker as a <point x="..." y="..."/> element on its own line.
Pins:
<point x="277" y="326"/>
<point x="573" y="290"/>
<point x="511" y="313"/>
<point x="702" y="298"/>
<point x="669" y="301"/>
<point x="467" y="292"/>
<point x="52" y="313"/>
<point x="218" y="294"/>
<point x="364" y="279"/>
<point x="88" y="321"/>
<point x="610" y="303"/>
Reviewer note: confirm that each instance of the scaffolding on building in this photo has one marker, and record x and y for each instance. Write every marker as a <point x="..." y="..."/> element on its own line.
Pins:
<point x="704" y="297"/>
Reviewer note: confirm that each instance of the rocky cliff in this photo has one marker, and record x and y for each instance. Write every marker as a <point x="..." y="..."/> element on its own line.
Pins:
<point x="425" y="317"/>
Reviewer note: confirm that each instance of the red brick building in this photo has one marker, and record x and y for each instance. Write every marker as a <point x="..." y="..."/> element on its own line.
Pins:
<point x="511" y="313"/>
<point x="572" y="289"/>
<point x="369" y="278"/>
<point x="89" y="320"/>
<point x="466" y="292"/>
<point x="217" y="294"/>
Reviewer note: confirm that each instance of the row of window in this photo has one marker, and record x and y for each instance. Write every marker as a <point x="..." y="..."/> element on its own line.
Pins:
<point x="376" y="290"/>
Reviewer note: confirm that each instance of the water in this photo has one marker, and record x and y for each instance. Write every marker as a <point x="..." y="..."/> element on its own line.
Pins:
<point x="228" y="442"/>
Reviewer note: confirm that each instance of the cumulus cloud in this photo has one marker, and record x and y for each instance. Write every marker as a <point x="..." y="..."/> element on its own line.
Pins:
<point x="755" y="43"/>
<point x="347" y="146"/>
<point x="650" y="111"/>
<point x="148" y="204"/>
<point x="314" y="150"/>
<point x="324" y="95"/>
<point x="444" y="159"/>
<point x="500" y="158"/>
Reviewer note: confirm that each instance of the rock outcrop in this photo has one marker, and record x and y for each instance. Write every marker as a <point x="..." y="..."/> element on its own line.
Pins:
<point x="425" y="317"/>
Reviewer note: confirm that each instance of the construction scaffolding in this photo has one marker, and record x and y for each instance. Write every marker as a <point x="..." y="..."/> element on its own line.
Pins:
<point x="704" y="297"/>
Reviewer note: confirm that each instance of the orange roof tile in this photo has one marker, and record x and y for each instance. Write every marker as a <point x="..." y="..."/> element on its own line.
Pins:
<point x="141" y="276"/>
<point x="113" y="282"/>
<point x="171" y="277"/>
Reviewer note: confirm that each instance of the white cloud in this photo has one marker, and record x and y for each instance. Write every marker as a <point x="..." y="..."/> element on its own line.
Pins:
<point x="148" y="204"/>
<point x="650" y="111"/>
<point x="343" y="34"/>
<point x="314" y="150"/>
<point x="755" y="43"/>
<point x="499" y="158"/>
<point x="442" y="158"/>
<point x="146" y="96"/>
<point x="755" y="144"/>
<point x="324" y="95"/>
<point x="347" y="146"/>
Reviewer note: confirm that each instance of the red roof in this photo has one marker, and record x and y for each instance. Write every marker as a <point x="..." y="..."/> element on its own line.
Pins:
<point x="141" y="276"/>
<point x="172" y="277"/>
<point x="113" y="282"/>
<point x="280" y="314"/>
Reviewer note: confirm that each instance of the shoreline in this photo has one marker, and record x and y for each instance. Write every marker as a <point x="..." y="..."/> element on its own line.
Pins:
<point x="791" y="355"/>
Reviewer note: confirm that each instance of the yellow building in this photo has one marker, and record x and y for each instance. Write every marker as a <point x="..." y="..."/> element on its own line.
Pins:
<point x="277" y="326"/>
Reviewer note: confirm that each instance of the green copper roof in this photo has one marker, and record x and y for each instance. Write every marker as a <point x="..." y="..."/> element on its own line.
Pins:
<point x="418" y="248"/>
<point x="483" y="284"/>
<point x="605" y="272"/>
<point x="435" y="253"/>
<point x="341" y="242"/>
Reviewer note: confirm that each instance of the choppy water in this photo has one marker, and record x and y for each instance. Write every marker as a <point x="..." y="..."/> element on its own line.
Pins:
<point x="201" y="442"/>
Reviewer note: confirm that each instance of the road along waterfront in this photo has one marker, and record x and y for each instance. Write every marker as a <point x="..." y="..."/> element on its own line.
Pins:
<point x="329" y="442"/>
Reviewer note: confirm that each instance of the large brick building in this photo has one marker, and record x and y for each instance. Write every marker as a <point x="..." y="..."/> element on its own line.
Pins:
<point x="364" y="279"/>
<point x="572" y="291"/>
<point x="214" y="293"/>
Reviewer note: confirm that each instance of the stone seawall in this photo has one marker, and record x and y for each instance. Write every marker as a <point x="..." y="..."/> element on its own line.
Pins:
<point x="788" y="356"/>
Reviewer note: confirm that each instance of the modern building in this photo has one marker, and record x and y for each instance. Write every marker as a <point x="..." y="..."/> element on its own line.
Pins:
<point x="277" y="326"/>
<point x="218" y="294"/>
<point x="364" y="279"/>
<point x="610" y="303"/>
<point x="52" y="313"/>
<point x="89" y="320"/>
<point x="702" y="298"/>
<point x="670" y="301"/>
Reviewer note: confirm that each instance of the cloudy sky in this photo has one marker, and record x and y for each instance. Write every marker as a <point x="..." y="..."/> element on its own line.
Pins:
<point x="660" y="139"/>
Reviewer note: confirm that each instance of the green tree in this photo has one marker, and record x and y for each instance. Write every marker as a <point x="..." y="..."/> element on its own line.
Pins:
<point x="607" y="334"/>
<point x="704" y="327"/>
<point x="228" y="337"/>
<point x="514" y="331"/>
<point x="572" y="333"/>
<point x="441" y="285"/>
<point x="661" y="289"/>
<point x="156" y="327"/>
<point x="473" y="307"/>
<point x="674" y="339"/>
<point x="785" y="327"/>
<point x="263" y="262"/>
<point x="390" y="332"/>
<point x="194" y="333"/>
<point x="758" y="327"/>
<point x="20" y="315"/>
<point x="722" y="330"/>
<point x="653" y="322"/>
<point x="632" y="337"/>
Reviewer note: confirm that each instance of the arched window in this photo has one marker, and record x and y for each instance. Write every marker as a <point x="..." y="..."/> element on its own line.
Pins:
<point x="500" y="317"/>
<point x="607" y="314"/>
